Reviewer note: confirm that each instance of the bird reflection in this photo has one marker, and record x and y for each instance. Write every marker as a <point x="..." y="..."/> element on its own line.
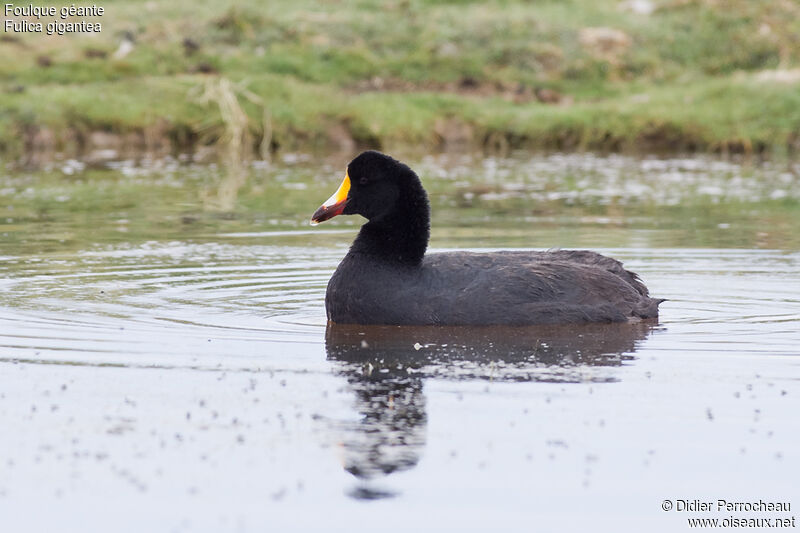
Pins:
<point x="386" y="366"/>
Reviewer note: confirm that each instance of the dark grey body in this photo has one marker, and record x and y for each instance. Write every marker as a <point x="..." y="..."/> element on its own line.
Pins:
<point x="508" y="288"/>
<point x="387" y="278"/>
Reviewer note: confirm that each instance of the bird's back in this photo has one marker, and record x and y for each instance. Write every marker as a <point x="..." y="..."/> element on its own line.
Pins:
<point x="510" y="288"/>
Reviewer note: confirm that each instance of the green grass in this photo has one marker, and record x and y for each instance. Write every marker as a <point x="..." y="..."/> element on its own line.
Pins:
<point x="688" y="79"/>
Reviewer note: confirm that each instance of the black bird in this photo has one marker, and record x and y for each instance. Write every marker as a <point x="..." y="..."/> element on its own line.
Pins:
<point x="386" y="277"/>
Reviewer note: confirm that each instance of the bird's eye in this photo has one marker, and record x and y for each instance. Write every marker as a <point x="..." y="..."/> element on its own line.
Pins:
<point x="363" y="180"/>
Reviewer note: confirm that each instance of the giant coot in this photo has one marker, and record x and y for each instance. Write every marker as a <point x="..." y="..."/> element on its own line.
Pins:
<point x="386" y="277"/>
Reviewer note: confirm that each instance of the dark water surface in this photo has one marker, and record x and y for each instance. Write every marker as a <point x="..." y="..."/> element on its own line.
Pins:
<point x="165" y="363"/>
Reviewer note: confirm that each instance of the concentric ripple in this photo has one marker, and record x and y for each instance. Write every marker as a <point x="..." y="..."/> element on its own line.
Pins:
<point x="205" y="304"/>
<point x="149" y="304"/>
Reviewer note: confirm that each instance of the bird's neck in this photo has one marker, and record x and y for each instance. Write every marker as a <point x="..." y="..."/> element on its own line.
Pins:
<point x="398" y="238"/>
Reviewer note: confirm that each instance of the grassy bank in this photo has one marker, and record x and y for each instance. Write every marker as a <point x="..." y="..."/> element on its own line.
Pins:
<point x="579" y="74"/>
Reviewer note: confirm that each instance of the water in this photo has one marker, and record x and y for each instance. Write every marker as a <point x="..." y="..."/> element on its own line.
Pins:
<point x="165" y="363"/>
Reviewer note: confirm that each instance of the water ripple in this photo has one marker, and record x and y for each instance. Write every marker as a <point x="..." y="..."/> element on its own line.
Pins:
<point x="200" y="302"/>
